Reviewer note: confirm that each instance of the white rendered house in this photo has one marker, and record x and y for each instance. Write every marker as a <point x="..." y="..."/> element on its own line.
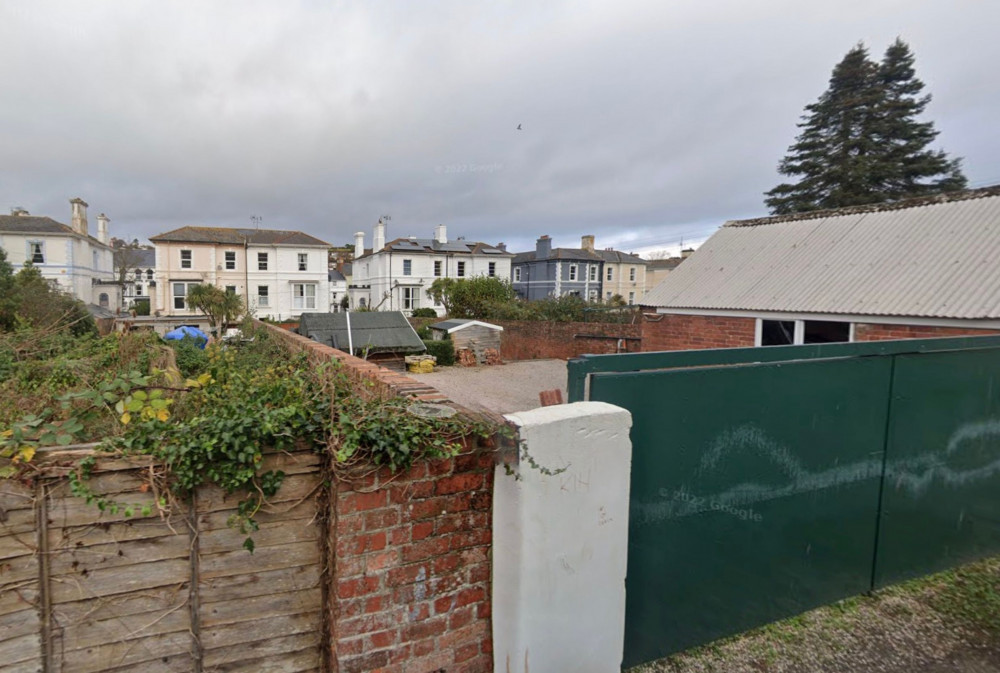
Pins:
<point x="69" y="256"/>
<point x="280" y="274"/>
<point x="396" y="276"/>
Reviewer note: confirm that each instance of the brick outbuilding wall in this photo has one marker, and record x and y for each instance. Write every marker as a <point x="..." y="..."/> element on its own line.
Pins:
<point x="535" y="339"/>
<point x="674" y="332"/>
<point x="410" y="553"/>
<point x="883" y="332"/>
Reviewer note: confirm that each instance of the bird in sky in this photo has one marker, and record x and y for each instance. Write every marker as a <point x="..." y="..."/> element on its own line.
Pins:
<point x="518" y="127"/>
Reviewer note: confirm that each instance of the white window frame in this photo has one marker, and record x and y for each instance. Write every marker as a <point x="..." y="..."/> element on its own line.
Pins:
<point x="262" y="262"/>
<point x="301" y="296"/>
<point x="631" y="274"/>
<point x="799" y="332"/>
<point x="264" y="300"/>
<point x="189" y="262"/>
<point x="610" y="274"/>
<point x="492" y="270"/>
<point x="31" y="252"/>
<point x="631" y="298"/>
<point x="593" y="272"/>
<point x="183" y="297"/>
<point x="229" y="263"/>
<point x="517" y="274"/>
<point x="410" y="298"/>
<point x="407" y="267"/>
<point x="460" y="269"/>
<point x="303" y="261"/>
<point x="572" y="271"/>
<point x="437" y="268"/>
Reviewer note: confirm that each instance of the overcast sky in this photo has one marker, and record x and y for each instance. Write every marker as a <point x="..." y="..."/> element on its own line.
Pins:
<point x="643" y="123"/>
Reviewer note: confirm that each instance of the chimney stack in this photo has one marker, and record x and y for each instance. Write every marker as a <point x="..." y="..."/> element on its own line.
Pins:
<point x="587" y="242"/>
<point x="686" y="252"/>
<point x="441" y="234"/>
<point x="102" y="229"/>
<point x="359" y="244"/>
<point x="502" y="246"/>
<point x="379" y="241"/>
<point x="543" y="247"/>
<point x="79" y="221"/>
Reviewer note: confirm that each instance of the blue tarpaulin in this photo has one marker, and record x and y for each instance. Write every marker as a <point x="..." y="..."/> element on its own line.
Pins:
<point x="192" y="332"/>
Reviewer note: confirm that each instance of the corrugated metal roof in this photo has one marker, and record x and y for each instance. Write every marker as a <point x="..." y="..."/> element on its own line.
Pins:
<point x="455" y="324"/>
<point x="936" y="258"/>
<point x="378" y="330"/>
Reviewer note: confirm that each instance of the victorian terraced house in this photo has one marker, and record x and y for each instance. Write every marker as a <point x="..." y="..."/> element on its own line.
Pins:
<point x="280" y="274"/>
<point x="66" y="255"/>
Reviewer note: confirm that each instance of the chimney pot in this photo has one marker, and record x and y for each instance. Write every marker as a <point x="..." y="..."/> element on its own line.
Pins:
<point x="543" y="247"/>
<point x="102" y="229"/>
<point x="79" y="219"/>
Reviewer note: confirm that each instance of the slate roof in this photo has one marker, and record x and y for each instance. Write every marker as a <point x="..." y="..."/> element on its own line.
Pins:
<point x="617" y="257"/>
<point x="30" y="224"/>
<point x="334" y="276"/>
<point x="139" y="258"/>
<point x="380" y="330"/>
<point x="572" y="254"/>
<point x="933" y="257"/>
<point x="237" y="236"/>
<point x="432" y="246"/>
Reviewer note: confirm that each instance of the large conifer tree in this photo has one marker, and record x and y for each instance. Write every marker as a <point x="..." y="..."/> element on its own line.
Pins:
<point x="861" y="142"/>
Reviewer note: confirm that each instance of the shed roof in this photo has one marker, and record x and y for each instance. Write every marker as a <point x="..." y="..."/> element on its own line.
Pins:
<point x="928" y="257"/>
<point x="236" y="236"/>
<point x="456" y="324"/>
<point x="378" y="330"/>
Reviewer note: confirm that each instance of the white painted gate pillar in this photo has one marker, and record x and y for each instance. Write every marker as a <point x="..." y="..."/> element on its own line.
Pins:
<point x="560" y="542"/>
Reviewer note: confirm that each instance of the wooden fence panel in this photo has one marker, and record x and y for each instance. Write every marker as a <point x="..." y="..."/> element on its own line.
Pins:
<point x="85" y="590"/>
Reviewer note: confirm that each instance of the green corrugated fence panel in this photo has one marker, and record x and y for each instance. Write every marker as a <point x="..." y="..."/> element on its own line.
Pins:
<point x="941" y="499"/>
<point x="580" y="368"/>
<point x="754" y="492"/>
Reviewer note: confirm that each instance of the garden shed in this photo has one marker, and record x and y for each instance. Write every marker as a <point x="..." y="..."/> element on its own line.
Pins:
<point x="472" y="335"/>
<point x="381" y="336"/>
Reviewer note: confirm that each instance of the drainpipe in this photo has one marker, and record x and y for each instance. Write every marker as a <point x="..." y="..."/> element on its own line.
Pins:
<point x="246" y="271"/>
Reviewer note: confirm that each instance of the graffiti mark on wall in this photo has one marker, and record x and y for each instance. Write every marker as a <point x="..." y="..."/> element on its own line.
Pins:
<point x="977" y="443"/>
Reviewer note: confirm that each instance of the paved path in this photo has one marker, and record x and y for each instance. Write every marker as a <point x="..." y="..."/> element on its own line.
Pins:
<point x="501" y="389"/>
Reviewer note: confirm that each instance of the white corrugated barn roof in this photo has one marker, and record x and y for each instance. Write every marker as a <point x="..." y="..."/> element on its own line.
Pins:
<point x="930" y="257"/>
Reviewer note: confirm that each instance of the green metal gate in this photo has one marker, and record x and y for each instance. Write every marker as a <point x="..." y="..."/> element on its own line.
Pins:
<point x="766" y="482"/>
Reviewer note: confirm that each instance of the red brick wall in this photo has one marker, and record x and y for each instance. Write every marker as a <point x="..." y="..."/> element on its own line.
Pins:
<point x="674" y="332"/>
<point x="534" y="339"/>
<point x="409" y="572"/>
<point x="411" y="578"/>
<point x="883" y="332"/>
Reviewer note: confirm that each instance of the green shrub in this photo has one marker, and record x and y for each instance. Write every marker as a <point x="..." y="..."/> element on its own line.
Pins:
<point x="424" y="313"/>
<point x="444" y="351"/>
<point x="191" y="360"/>
<point x="141" y="307"/>
<point x="424" y="333"/>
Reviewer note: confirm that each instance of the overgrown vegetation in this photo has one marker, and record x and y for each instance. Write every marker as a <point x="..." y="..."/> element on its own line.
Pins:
<point x="487" y="298"/>
<point x="206" y="416"/>
<point x="443" y="350"/>
<point x="960" y="608"/>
